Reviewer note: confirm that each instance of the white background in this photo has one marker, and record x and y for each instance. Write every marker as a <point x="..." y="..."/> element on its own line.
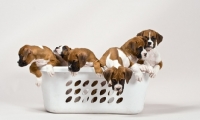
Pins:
<point x="98" y="25"/>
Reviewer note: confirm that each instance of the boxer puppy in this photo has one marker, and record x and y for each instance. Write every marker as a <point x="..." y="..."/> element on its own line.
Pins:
<point x="58" y="53"/>
<point x="117" y="71"/>
<point x="37" y="56"/>
<point x="153" y="38"/>
<point x="79" y="57"/>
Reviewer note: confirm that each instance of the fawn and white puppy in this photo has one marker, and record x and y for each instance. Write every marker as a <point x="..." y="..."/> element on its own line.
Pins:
<point x="37" y="56"/>
<point x="118" y="65"/>
<point x="152" y="39"/>
<point x="79" y="57"/>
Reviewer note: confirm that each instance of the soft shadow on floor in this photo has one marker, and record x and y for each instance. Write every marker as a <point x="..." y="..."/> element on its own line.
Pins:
<point x="158" y="109"/>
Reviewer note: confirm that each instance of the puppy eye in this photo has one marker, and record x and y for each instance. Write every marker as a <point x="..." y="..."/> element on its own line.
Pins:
<point x="114" y="81"/>
<point x="122" y="81"/>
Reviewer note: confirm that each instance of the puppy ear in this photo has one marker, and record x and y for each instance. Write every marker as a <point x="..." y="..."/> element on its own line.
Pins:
<point x="132" y="46"/>
<point x="82" y="57"/>
<point x="127" y="73"/>
<point x="66" y="48"/>
<point x="27" y="51"/>
<point x="140" y="34"/>
<point x="159" y="38"/>
<point x="108" y="74"/>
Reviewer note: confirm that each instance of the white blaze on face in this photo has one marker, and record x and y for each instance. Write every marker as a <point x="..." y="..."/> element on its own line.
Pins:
<point x="59" y="49"/>
<point x="144" y="53"/>
<point x="118" y="87"/>
<point x="150" y="42"/>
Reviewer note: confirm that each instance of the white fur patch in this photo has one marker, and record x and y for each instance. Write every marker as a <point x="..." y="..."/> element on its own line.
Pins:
<point x="40" y="46"/>
<point x="39" y="81"/>
<point x="118" y="86"/>
<point x="110" y="63"/>
<point x="59" y="49"/>
<point x="125" y="60"/>
<point x="90" y="64"/>
<point x="50" y="70"/>
<point x="41" y="62"/>
<point x="138" y="74"/>
<point x="151" y="41"/>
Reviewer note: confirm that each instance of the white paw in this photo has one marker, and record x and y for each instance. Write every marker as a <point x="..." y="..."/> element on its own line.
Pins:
<point x="74" y="73"/>
<point x="50" y="70"/>
<point x="150" y="69"/>
<point x="138" y="76"/>
<point x="142" y="68"/>
<point x="99" y="75"/>
<point x="39" y="81"/>
<point x="152" y="75"/>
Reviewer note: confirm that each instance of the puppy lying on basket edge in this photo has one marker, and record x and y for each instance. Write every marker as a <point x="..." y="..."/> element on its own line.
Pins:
<point x="79" y="57"/>
<point x="152" y="39"/>
<point x="118" y="65"/>
<point x="37" y="56"/>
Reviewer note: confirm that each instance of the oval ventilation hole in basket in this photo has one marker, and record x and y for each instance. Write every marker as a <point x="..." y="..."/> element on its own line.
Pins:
<point x="103" y="99"/>
<point x="69" y="99"/>
<point x="102" y="91"/>
<point x="94" y="83"/>
<point x="118" y="93"/>
<point x="94" y="100"/>
<point x="110" y="92"/>
<point x="85" y="91"/>
<point x="103" y="83"/>
<point x="85" y="99"/>
<point x="68" y="91"/>
<point x="85" y="83"/>
<point x="77" y="83"/>
<point x="69" y="83"/>
<point x="77" y="99"/>
<point x="77" y="91"/>
<point x="94" y="92"/>
<point x="119" y="100"/>
<point x="111" y="100"/>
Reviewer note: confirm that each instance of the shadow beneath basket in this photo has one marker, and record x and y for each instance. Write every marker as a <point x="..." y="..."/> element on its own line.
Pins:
<point x="158" y="109"/>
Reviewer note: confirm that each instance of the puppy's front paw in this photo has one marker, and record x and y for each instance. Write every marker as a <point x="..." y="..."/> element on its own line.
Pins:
<point x="150" y="69"/>
<point x="74" y="73"/>
<point x="38" y="81"/>
<point x="50" y="70"/>
<point x="142" y="68"/>
<point x="138" y="76"/>
<point x="99" y="75"/>
<point x="154" y="73"/>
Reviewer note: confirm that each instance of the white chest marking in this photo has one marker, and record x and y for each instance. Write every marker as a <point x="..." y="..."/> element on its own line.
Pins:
<point x="153" y="57"/>
<point x="110" y="63"/>
<point x="90" y="64"/>
<point x="41" y="62"/>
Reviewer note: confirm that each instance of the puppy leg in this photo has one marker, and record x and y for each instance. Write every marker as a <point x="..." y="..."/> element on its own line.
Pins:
<point x="36" y="71"/>
<point x="155" y="71"/>
<point x="97" y="68"/>
<point x="138" y="74"/>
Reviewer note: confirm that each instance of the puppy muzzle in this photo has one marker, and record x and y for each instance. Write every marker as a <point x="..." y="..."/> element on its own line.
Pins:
<point x="72" y="68"/>
<point x="22" y="63"/>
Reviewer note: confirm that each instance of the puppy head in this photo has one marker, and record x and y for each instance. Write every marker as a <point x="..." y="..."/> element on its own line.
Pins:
<point x="135" y="46"/>
<point x="76" y="60"/>
<point x="25" y="56"/>
<point x="152" y="38"/>
<point x="118" y="77"/>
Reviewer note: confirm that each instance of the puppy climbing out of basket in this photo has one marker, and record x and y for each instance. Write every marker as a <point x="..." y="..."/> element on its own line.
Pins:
<point x="79" y="57"/>
<point x="153" y="58"/>
<point x="37" y="56"/>
<point x="117" y="63"/>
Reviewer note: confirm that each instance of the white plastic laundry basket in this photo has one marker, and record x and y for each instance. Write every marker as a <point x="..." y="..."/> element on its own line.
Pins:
<point x="87" y="93"/>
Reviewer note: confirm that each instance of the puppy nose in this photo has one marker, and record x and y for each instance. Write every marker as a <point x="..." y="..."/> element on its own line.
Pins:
<point x="149" y="43"/>
<point x="145" y="54"/>
<point x="118" y="89"/>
